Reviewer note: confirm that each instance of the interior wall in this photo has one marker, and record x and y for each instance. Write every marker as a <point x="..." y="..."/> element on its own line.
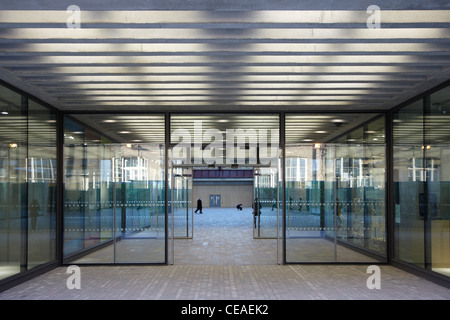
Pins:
<point x="230" y="195"/>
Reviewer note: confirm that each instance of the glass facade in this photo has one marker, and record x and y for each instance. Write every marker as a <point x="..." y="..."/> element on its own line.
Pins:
<point x="114" y="196"/>
<point x="335" y="197"/>
<point x="27" y="184"/>
<point x="331" y="195"/>
<point x="421" y="137"/>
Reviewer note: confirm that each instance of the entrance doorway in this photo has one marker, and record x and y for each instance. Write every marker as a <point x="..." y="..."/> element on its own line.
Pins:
<point x="227" y="233"/>
<point x="328" y="206"/>
<point x="214" y="200"/>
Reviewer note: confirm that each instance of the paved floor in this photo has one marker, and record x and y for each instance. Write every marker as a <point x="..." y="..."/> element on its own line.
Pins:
<point x="209" y="267"/>
<point x="197" y="282"/>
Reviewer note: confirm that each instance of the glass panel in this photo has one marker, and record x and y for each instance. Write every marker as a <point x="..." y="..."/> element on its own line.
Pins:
<point x="41" y="185"/>
<point x="335" y="195"/>
<point x="13" y="188"/>
<point x="140" y="223"/>
<point x="89" y="192"/>
<point x="309" y="215"/>
<point x="409" y="183"/>
<point x="182" y="203"/>
<point x="114" y="194"/>
<point x="437" y="172"/>
<point x="265" y="204"/>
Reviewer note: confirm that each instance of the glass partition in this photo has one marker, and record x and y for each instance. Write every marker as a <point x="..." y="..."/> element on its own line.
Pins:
<point x="421" y="180"/>
<point x="437" y="164"/>
<point x="41" y="177"/>
<point x="408" y="184"/>
<point x="27" y="184"/>
<point x="265" y="204"/>
<point x="13" y="189"/>
<point x="114" y="196"/>
<point x="335" y="197"/>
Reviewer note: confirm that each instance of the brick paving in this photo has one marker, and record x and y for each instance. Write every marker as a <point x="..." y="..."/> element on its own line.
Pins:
<point x="210" y="267"/>
<point x="197" y="282"/>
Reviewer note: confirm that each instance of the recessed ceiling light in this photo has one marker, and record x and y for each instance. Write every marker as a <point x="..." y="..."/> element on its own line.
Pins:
<point x="320" y="131"/>
<point x="109" y="121"/>
<point x="338" y="120"/>
<point x="124" y="132"/>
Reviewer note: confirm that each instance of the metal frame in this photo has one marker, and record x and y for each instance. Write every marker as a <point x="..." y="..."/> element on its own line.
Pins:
<point x="256" y="237"/>
<point x="187" y="206"/>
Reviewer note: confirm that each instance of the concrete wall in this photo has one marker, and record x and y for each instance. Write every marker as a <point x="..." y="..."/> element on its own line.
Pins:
<point x="231" y="195"/>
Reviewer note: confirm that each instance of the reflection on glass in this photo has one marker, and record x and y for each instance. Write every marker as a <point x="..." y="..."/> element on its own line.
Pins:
<point x="114" y="198"/>
<point x="265" y="203"/>
<point x="421" y="179"/>
<point x="335" y="197"/>
<point x="408" y="183"/>
<point x="41" y="177"/>
<point x="437" y="177"/>
<point x="13" y="190"/>
<point x="27" y="184"/>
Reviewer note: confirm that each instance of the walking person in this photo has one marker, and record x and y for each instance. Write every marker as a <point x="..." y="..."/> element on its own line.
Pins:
<point x="199" y="206"/>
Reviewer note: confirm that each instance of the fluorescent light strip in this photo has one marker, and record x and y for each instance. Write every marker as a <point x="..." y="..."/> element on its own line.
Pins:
<point x="198" y="34"/>
<point x="262" y="16"/>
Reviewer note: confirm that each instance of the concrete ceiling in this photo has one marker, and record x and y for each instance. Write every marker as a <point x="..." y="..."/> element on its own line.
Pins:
<point x="224" y="55"/>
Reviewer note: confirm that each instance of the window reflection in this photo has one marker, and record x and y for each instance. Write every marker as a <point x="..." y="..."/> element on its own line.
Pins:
<point x="437" y="178"/>
<point x="13" y="124"/>
<point x="335" y="194"/>
<point x="421" y="180"/>
<point x="27" y="184"/>
<point x="114" y="196"/>
<point x="41" y="177"/>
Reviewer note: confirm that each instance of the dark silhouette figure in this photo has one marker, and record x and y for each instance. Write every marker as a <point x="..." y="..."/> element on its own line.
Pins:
<point x="274" y="204"/>
<point x="239" y="206"/>
<point x="34" y="213"/>
<point x="300" y="204"/>
<point x="199" y="206"/>
<point x="256" y="210"/>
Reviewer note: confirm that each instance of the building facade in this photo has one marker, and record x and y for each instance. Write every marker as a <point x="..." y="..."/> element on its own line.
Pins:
<point x="341" y="141"/>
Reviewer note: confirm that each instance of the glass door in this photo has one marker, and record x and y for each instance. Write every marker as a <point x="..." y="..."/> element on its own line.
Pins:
<point x="182" y="204"/>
